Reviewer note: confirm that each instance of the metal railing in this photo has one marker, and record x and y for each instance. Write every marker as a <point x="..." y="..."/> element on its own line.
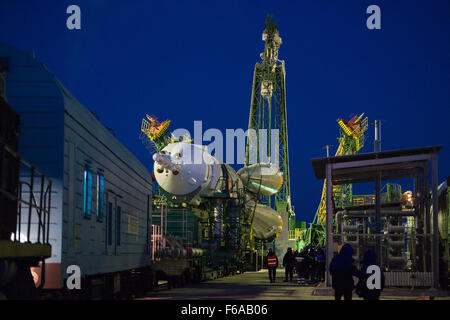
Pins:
<point x="158" y="239"/>
<point x="32" y="195"/>
<point x="399" y="252"/>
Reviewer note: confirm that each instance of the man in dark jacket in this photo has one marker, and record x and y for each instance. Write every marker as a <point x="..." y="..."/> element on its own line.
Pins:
<point x="370" y="259"/>
<point x="311" y="261"/>
<point x="288" y="264"/>
<point x="320" y="263"/>
<point x="301" y="267"/>
<point x="342" y="271"/>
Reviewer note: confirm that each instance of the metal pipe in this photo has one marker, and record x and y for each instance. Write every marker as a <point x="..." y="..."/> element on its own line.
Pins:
<point x="376" y="130"/>
<point x="339" y="220"/>
<point x="39" y="213"/>
<point x="384" y="213"/>
<point x="19" y="212"/>
<point x="435" y="248"/>
<point x="49" y="207"/>
<point x="30" y="204"/>
<point x="350" y="228"/>
<point x="396" y="229"/>
<point x="378" y="215"/>
<point x="329" y="223"/>
<point x="44" y="211"/>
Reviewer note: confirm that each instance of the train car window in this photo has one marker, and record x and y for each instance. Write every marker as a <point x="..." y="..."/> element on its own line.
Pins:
<point x="110" y="223"/>
<point x="118" y="224"/>
<point x="100" y="196"/>
<point x="87" y="192"/>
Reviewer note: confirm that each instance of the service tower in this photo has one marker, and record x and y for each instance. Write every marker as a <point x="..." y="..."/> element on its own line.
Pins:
<point x="268" y="112"/>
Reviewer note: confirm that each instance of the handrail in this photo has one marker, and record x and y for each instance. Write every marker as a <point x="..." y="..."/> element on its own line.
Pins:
<point x="41" y="209"/>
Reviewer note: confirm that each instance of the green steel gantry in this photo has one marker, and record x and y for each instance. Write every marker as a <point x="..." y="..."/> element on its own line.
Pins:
<point x="267" y="112"/>
<point x="351" y="140"/>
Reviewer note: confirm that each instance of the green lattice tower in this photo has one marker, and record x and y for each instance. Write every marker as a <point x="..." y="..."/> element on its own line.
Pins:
<point x="345" y="195"/>
<point x="268" y="111"/>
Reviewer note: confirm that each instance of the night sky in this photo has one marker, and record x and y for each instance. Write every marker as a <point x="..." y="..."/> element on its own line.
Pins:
<point x="194" y="60"/>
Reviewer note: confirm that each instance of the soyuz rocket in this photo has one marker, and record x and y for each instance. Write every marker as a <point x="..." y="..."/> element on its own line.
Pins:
<point x="188" y="173"/>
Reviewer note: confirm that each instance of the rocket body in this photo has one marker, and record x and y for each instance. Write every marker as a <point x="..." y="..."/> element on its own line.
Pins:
<point x="185" y="171"/>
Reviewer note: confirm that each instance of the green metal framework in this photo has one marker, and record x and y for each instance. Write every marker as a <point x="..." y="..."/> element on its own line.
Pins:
<point x="343" y="196"/>
<point x="233" y="244"/>
<point x="268" y="111"/>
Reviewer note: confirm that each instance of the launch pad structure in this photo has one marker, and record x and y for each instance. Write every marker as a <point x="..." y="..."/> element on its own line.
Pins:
<point x="267" y="112"/>
<point x="406" y="240"/>
<point x="240" y="211"/>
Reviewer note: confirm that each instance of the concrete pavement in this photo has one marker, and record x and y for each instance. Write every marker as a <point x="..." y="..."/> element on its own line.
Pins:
<point x="256" y="286"/>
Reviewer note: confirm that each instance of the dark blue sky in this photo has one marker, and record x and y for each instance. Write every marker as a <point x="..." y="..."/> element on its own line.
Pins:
<point x="194" y="60"/>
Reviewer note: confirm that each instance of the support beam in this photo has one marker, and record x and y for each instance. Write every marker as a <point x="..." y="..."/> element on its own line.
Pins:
<point x="329" y="193"/>
<point x="435" y="255"/>
<point x="419" y="223"/>
<point x="378" y="216"/>
<point x="380" y="162"/>
<point x="425" y="187"/>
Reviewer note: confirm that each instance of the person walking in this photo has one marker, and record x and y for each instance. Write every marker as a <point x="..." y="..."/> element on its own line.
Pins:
<point x="370" y="259"/>
<point x="311" y="254"/>
<point x="320" y="261"/>
<point x="272" y="264"/>
<point x="288" y="264"/>
<point x="301" y="267"/>
<point x="342" y="271"/>
<point x="295" y="254"/>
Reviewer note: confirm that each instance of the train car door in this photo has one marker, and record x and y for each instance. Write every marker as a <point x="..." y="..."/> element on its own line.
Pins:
<point x="110" y="223"/>
<point x="118" y="224"/>
<point x="113" y="223"/>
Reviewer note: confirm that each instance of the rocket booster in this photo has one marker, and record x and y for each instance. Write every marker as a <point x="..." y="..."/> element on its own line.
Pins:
<point x="267" y="223"/>
<point x="262" y="178"/>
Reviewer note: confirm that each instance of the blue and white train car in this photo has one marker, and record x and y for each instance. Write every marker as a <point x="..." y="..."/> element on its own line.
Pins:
<point x="100" y="218"/>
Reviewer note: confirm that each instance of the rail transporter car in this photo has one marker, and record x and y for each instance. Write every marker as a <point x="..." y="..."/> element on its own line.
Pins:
<point x="24" y="209"/>
<point x="100" y="200"/>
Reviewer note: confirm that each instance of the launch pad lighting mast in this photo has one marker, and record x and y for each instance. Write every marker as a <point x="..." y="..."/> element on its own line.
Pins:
<point x="268" y="111"/>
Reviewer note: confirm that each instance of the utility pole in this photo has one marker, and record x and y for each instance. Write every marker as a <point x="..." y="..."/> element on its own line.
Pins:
<point x="377" y="142"/>
<point x="327" y="147"/>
